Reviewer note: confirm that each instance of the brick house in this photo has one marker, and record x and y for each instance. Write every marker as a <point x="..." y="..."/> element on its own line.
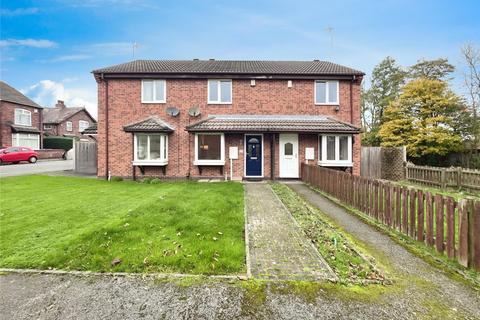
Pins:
<point x="179" y="119"/>
<point x="66" y="121"/>
<point x="20" y="119"/>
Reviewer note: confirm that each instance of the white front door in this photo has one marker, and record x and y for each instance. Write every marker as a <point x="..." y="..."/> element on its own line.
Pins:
<point x="289" y="155"/>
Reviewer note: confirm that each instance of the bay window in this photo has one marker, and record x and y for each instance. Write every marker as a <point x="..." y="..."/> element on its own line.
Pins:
<point x="326" y="92"/>
<point x="31" y="140"/>
<point x="335" y="150"/>
<point x="219" y="91"/>
<point x="154" y="91"/>
<point x="150" y="149"/>
<point x="23" y="117"/>
<point x="209" y="149"/>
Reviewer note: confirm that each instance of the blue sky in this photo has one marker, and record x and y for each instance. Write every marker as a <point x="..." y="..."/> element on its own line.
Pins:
<point x="49" y="47"/>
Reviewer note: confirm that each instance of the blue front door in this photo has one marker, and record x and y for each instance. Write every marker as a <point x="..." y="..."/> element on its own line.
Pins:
<point x="253" y="156"/>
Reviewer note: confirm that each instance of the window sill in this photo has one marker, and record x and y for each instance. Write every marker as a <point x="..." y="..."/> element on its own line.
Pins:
<point x="150" y="162"/>
<point x="154" y="102"/>
<point x="209" y="163"/>
<point x="335" y="164"/>
<point x="222" y="103"/>
<point x="328" y="104"/>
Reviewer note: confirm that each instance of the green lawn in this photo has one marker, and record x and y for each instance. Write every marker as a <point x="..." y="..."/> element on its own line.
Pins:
<point x="83" y="224"/>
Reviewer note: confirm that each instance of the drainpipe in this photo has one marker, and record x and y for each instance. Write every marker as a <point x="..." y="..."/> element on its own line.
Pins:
<point x="107" y="171"/>
<point x="351" y="99"/>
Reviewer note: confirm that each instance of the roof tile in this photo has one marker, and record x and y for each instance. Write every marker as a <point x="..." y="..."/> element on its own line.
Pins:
<point x="265" y="123"/>
<point x="249" y="67"/>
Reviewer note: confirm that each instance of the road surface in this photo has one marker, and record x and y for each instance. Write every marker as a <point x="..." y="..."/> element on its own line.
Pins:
<point x="42" y="166"/>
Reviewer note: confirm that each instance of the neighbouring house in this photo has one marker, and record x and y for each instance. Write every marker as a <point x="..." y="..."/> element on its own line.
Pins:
<point x="191" y="119"/>
<point x="20" y="119"/>
<point x="66" y="121"/>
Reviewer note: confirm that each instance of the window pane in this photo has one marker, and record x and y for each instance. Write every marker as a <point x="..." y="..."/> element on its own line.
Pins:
<point x="332" y="91"/>
<point x="142" y="147"/>
<point x="209" y="147"/>
<point x="321" y="92"/>
<point x="288" y="149"/>
<point x="330" y="148"/>
<point x="343" y="148"/>
<point x="159" y="90"/>
<point x="154" y="147"/>
<point x="213" y="90"/>
<point x="147" y="94"/>
<point x="23" y="117"/>
<point x="225" y="93"/>
<point x="28" y="140"/>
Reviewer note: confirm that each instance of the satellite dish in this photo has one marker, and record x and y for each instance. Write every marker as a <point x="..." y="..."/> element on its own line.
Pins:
<point x="194" y="111"/>
<point x="173" y="111"/>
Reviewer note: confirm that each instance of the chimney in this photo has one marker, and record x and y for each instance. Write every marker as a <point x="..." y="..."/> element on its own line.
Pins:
<point x="60" y="104"/>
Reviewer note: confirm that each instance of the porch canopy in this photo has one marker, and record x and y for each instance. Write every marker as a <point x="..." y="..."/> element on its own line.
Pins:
<point x="272" y="123"/>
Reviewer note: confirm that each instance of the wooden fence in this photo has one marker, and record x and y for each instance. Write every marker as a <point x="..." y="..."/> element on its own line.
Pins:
<point x="444" y="177"/>
<point x="383" y="163"/>
<point x="86" y="157"/>
<point x="452" y="227"/>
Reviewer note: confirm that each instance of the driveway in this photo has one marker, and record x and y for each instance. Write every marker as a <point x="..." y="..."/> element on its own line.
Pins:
<point x="42" y="166"/>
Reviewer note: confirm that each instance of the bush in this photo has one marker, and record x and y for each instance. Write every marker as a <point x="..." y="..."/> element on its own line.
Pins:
<point x="55" y="142"/>
<point x="115" y="179"/>
<point x="155" y="181"/>
<point x="146" y="180"/>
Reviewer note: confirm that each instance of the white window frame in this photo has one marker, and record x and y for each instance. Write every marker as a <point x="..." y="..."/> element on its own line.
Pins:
<point x="24" y="112"/>
<point x="155" y="91"/>
<point x="327" y="103"/>
<point x="80" y="125"/>
<point x="69" y="126"/>
<point x="163" y="161"/>
<point x="219" y="91"/>
<point x="16" y="140"/>
<point x="200" y="162"/>
<point x="337" y="162"/>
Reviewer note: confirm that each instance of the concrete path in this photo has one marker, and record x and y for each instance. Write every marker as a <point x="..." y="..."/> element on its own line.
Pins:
<point x="429" y="282"/>
<point x="42" y="166"/>
<point x="278" y="249"/>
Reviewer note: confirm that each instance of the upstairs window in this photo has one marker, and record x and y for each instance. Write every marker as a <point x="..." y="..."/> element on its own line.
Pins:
<point x="154" y="91"/>
<point x="220" y="91"/>
<point x="47" y="127"/>
<point x="335" y="150"/>
<point x="69" y="126"/>
<point x="151" y="149"/>
<point x="23" y="117"/>
<point x="82" y="125"/>
<point x="326" y="92"/>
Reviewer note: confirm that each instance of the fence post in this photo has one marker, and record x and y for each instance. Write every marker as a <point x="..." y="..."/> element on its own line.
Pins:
<point x="443" y="182"/>
<point x="459" y="177"/>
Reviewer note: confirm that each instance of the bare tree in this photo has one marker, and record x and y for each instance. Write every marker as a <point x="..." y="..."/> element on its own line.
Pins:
<point x="471" y="56"/>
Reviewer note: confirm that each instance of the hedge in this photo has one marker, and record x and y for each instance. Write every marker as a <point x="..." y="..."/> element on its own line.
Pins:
<point x="53" y="142"/>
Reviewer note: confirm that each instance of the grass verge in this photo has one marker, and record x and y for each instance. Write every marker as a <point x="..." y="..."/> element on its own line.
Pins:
<point x="341" y="254"/>
<point x="84" y="224"/>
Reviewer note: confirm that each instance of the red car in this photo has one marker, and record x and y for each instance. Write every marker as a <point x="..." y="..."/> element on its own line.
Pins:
<point x="17" y="154"/>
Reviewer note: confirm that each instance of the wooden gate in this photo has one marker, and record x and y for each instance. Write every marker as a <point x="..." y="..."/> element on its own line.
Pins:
<point x="383" y="163"/>
<point x="86" y="157"/>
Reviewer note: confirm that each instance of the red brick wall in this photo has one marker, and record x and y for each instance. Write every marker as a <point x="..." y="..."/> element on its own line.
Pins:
<point x="268" y="97"/>
<point x="7" y="117"/>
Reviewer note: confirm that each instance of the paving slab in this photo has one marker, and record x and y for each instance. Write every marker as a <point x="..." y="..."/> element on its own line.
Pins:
<point x="278" y="248"/>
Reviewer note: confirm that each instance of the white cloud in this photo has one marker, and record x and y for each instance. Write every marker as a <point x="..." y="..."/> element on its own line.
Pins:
<point x="71" y="57"/>
<point x="47" y="92"/>
<point x="35" y="43"/>
<point x="18" y="12"/>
